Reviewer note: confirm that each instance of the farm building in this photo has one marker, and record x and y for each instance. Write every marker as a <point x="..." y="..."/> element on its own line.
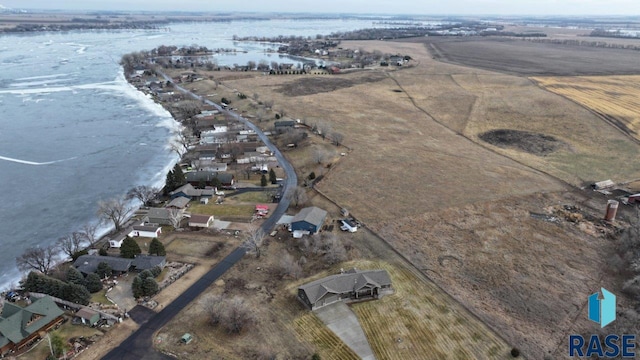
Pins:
<point x="308" y="221"/>
<point x="350" y="286"/>
<point x="20" y="327"/>
<point x="145" y="230"/>
<point x="201" y="221"/>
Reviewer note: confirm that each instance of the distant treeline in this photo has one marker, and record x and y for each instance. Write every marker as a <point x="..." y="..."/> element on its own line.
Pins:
<point x="613" y="34"/>
<point x="82" y="24"/>
<point x="598" y="44"/>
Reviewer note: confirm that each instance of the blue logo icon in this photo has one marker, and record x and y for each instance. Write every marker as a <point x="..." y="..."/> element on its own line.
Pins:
<point x="602" y="311"/>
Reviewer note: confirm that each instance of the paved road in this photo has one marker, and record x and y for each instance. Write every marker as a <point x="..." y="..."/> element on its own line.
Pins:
<point x="139" y="344"/>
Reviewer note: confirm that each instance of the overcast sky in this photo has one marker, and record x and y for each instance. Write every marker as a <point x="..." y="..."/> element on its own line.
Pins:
<point x="437" y="7"/>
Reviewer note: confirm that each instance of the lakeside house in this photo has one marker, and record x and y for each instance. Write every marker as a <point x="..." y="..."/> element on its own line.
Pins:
<point x="351" y="286"/>
<point x="191" y="193"/>
<point x="21" y="327"/>
<point x="178" y="203"/>
<point x="196" y="178"/>
<point x="165" y="216"/>
<point x="88" y="264"/>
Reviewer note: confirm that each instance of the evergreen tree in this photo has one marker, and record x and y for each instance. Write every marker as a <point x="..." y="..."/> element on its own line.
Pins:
<point x="263" y="181"/>
<point x="129" y="248"/>
<point x="175" y="179"/>
<point x="145" y="274"/>
<point x="156" y="271"/>
<point x="272" y="177"/>
<point x="136" y="287"/>
<point x="93" y="283"/>
<point x="103" y="252"/>
<point x="157" y="248"/>
<point x="149" y="286"/>
<point x="58" y="344"/>
<point x="77" y="254"/>
<point x="76" y="294"/>
<point x="74" y="276"/>
<point x="104" y="270"/>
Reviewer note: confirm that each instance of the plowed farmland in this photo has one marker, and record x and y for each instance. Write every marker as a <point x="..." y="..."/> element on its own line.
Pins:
<point x="615" y="98"/>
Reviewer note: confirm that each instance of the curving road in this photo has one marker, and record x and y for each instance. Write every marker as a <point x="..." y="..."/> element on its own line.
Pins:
<point x="139" y="345"/>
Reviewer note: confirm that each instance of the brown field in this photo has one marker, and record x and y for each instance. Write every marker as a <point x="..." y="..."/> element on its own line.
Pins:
<point x="616" y="98"/>
<point x="520" y="57"/>
<point x="457" y="206"/>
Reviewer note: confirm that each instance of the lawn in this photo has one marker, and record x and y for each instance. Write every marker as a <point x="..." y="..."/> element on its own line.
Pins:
<point x="222" y="210"/>
<point x="67" y="331"/>
<point x="100" y="297"/>
<point x="252" y="197"/>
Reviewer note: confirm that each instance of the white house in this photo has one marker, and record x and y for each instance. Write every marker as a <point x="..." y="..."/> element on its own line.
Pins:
<point x="348" y="225"/>
<point x="202" y="221"/>
<point x="145" y="230"/>
<point x="117" y="243"/>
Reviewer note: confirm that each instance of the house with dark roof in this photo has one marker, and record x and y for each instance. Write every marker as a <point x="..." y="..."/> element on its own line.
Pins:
<point x="20" y="327"/>
<point x="196" y="178"/>
<point x="282" y="125"/>
<point x="146" y="262"/>
<point x="164" y="216"/>
<point x="178" y="203"/>
<point x="88" y="264"/>
<point x="189" y="192"/>
<point x="351" y="286"/>
<point x="308" y="221"/>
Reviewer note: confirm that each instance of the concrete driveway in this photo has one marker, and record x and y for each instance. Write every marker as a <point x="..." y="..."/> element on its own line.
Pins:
<point x="121" y="294"/>
<point x="343" y="322"/>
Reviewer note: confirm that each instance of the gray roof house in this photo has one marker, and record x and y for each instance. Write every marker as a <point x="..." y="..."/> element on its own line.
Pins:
<point x="309" y="219"/>
<point x="353" y="285"/>
<point x="145" y="262"/>
<point x="88" y="264"/>
<point x="188" y="191"/>
<point x="163" y="216"/>
<point x="178" y="203"/>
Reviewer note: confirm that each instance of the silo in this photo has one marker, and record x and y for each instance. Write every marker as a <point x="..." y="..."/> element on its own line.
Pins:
<point x="612" y="209"/>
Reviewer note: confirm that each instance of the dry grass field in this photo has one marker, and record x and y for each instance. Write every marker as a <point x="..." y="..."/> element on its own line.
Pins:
<point x="616" y="98"/>
<point x="419" y="319"/>
<point x="457" y="206"/>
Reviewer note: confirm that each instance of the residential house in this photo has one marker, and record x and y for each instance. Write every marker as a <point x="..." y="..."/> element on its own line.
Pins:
<point x="201" y="221"/>
<point x="283" y="125"/>
<point x="117" y="242"/>
<point x="208" y="165"/>
<point x="164" y="216"/>
<point x="88" y="316"/>
<point x="22" y="326"/>
<point x="178" y="203"/>
<point x="88" y="264"/>
<point x="206" y="177"/>
<point x="145" y="262"/>
<point x="308" y="221"/>
<point x="150" y="230"/>
<point x="353" y="285"/>
<point x="191" y="193"/>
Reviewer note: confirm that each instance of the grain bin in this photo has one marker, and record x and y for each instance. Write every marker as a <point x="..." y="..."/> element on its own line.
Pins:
<point x="612" y="209"/>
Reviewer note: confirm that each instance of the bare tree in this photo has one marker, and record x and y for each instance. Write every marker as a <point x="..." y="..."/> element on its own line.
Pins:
<point x="181" y="140"/>
<point x="337" y="138"/>
<point x="290" y="267"/>
<point x="268" y="103"/>
<point x="237" y="315"/>
<point x="71" y="243"/>
<point x="256" y="96"/>
<point x="115" y="210"/>
<point x="282" y="112"/>
<point x="254" y="240"/>
<point x="334" y="250"/>
<point x="175" y="218"/>
<point x="89" y="231"/>
<point x="143" y="193"/>
<point x="187" y="109"/>
<point x="37" y="258"/>
<point x="299" y="196"/>
<point x="323" y="129"/>
<point x="214" y="305"/>
<point x="319" y="155"/>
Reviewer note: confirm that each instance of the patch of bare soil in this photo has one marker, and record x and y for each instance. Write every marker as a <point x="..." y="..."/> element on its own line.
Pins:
<point x="533" y="143"/>
<point x="315" y="85"/>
